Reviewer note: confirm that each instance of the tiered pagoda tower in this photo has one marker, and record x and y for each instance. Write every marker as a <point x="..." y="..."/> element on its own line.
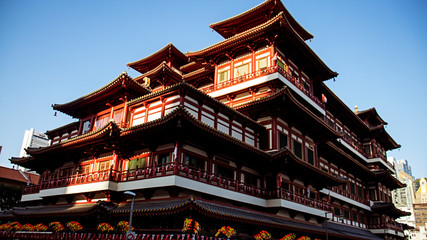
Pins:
<point x="243" y="133"/>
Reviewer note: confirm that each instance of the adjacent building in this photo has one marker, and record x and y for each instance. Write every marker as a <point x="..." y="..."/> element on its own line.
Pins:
<point x="244" y="133"/>
<point x="401" y="165"/>
<point x="33" y="139"/>
<point x="12" y="183"/>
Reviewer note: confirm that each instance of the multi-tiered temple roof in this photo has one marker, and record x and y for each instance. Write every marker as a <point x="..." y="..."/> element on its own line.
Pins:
<point x="243" y="133"/>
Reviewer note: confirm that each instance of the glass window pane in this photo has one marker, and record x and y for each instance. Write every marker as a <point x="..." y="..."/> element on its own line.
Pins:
<point x="310" y="156"/>
<point x="298" y="149"/>
<point x="163" y="158"/>
<point x="101" y="121"/>
<point x="225" y="172"/>
<point x="241" y="70"/>
<point x="283" y="140"/>
<point x="86" y="127"/>
<point x="223" y="76"/>
<point x="262" y="63"/>
<point x="118" y="114"/>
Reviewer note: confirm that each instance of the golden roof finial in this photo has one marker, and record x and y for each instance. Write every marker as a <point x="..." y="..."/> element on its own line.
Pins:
<point x="356" y="109"/>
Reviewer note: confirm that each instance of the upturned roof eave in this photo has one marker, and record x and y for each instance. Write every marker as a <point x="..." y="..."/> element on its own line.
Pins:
<point x="286" y="152"/>
<point x="267" y="5"/>
<point x="346" y="155"/>
<point x="169" y="47"/>
<point x="184" y="114"/>
<point x="121" y="81"/>
<point x="388" y="142"/>
<point x="250" y="33"/>
<point x="201" y="94"/>
<point x="88" y="137"/>
<point x="374" y="112"/>
<point x="385" y="175"/>
<point x="344" y="107"/>
<point x="287" y="92"/>
<point x="49" y="132"/>
<point x="161" y="68"/>
<point x="254" y="32"/>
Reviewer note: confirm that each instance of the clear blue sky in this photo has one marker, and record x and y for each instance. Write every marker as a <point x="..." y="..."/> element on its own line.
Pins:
<point x="56" y="51"/>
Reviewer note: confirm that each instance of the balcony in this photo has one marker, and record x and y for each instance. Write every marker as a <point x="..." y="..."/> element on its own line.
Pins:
<point x="264" y="72"/>
<point x="350" y="195"/>
<point x="391" y="226"/>
<point x="177" y="170"/>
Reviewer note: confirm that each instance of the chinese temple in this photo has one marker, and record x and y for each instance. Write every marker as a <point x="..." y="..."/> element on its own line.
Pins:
<point x="242" y="134"/>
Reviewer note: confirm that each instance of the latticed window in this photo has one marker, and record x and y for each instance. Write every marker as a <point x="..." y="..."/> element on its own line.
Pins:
<point x="118" y="114"/>
<point x="103" y="166"/>
<point x="137" y="163"/>
<point x="223" y="76"/>
<point x="101" y="120"/>
<point x="241" y="70"/>
<point x="262" y="63"/>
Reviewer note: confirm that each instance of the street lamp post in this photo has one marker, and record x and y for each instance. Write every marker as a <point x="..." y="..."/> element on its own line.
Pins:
<point x="129" y="232"/>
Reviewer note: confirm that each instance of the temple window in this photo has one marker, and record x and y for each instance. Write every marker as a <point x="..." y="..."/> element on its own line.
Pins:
<point x="250" y="179"/>
<point x="352" y="188"/>
<point x="262" y="63"/>
<point x="354" y="217"/>
<point x="337" y="212"/>
<point x="297" y="149"/>
<point x="163" y="158"/>
<point x="101" y="120"/>
<point x="118" y="115"/>
<point x="283" y="140"/>
<point x="359" y="191"/>
<point x="137" y="163"/>
<point x="310" y="154"/>
<point x="282" y="65"/>
<point x="103" y="166"/>
<point x="346" y="214"/>
<point x="223" y="76"/>
<point x="224" y="171"/>
<point x="362" y="219"/>
<point x="367" y="149"/>
<point x="67" y="172"/>
<point x="194" y="162"/>
<point x="306" y="84"/>
<point x="84" y="169"/>
<point x="241" y="70"/>
<point x="330" y="121"/>
<point x="86" y="127"/>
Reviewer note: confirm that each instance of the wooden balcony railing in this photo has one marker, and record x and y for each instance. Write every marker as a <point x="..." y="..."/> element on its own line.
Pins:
<point x="260" y="73"/>
<point x="290" y="196"/>
<point x="177" y="170"/>
<point x="350" y="195"/>
<point x="393" y="226"/>
<point x="95" y="235"/>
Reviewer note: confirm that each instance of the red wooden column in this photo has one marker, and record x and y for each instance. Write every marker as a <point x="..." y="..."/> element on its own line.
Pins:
<point x="274" y="132"/>
<point x="125" y="112"/>
<point x="114" y="170"/>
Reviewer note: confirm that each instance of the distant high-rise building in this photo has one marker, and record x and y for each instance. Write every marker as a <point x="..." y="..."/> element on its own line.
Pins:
<point x="420" y="190"/>
<point x="404" y="197"/>
<point x="401" y="165"/>
<point x="33" y="139"/>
